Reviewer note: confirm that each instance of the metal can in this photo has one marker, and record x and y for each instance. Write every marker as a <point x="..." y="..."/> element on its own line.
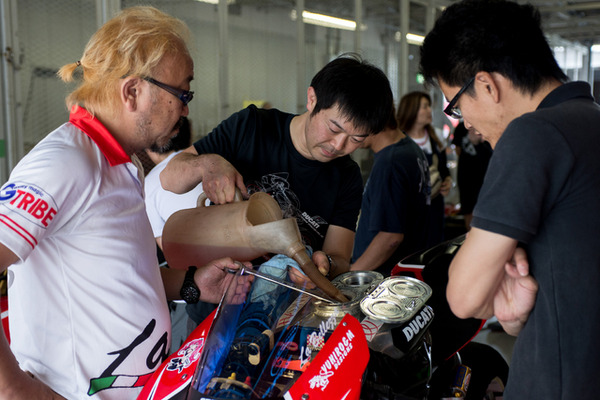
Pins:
<point x="461" y="382"/>
<point x="354" y="285"/>
<point x="396" y="299"/>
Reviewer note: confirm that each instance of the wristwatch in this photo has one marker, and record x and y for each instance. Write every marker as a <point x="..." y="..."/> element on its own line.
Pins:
<point x="189" y="290"/>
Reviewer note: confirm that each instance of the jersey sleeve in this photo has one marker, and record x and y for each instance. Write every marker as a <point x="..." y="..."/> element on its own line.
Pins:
<point x="42" y="194"/>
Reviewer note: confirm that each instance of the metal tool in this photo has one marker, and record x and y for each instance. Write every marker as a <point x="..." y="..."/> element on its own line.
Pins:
<point x="281" y="282"/>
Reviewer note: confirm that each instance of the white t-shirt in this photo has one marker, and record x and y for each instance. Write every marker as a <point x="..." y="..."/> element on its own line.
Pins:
<point x="160" y="203"/>
<point x="88" y="312"/>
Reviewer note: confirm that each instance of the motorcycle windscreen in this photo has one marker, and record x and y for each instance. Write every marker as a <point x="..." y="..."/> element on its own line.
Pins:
<point x="257" y="345"/>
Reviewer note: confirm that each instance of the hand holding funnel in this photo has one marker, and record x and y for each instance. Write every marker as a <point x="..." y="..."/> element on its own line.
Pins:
<point x="243" y="230"/>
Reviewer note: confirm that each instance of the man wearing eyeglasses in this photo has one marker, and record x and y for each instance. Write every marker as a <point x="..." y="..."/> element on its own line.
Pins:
<point x="88" y="309"/>
<point x="301" y="160"/>
<point x="491" y="58"/>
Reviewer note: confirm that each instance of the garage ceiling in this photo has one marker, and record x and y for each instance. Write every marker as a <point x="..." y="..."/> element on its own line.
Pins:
<point x="576" y="21"/>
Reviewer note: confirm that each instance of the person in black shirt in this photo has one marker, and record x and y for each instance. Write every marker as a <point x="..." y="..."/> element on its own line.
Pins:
<point x="492" y="60"/>
<point x="473" y="158"/>
<point x="301" y="160"/>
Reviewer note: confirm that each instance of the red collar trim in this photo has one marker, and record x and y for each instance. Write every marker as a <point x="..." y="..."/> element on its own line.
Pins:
<point x="92" y="127"/>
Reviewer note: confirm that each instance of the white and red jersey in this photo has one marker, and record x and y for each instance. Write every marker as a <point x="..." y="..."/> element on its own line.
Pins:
<point x="88" y="311"/>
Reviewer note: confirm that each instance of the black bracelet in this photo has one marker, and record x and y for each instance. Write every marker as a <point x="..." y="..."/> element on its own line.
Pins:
<point x="331" y="264"/>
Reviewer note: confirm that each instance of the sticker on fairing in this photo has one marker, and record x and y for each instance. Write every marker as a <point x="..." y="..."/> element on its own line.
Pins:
<point x="371" y="327"/>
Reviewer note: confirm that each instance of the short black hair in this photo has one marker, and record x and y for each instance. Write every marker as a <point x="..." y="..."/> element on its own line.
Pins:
<point x="493" y="36"/>
<point x="360" y="90"/>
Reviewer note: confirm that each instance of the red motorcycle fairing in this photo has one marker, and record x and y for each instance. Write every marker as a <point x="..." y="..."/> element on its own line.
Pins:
<point x="279" y="341"/>
<point x="336" y="372"/>
<point x="175" y="374"/>
<point x="267" y="343"/>
<point x="431" y="266"/>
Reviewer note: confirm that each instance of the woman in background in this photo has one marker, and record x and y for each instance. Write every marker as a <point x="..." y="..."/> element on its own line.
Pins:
<point x="414" y="118"/>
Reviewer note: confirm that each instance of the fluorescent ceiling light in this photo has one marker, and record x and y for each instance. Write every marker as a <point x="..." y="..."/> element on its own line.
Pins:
<point x="215" y="1"/>
<point x="328" y="21"/>
<point x="411" y="38"/>
<point x="325" y="20"/>
<point x="415" y="39"/>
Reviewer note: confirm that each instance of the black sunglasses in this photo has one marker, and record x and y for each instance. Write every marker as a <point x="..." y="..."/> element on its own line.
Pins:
<point x="451" y="110"/>
<point x="184" y="95"/>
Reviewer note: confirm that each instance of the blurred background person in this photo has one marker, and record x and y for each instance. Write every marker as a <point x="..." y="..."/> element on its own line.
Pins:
<point x="473" y="158"/>
<point x="395" y="207"/>
<point x="414" y="118"/>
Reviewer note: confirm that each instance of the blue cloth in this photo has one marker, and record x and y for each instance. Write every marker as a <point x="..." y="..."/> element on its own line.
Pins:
<point x="277" y="267"/>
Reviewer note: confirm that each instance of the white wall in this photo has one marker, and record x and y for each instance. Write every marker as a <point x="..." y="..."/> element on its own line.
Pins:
<point x="262" y="57"/>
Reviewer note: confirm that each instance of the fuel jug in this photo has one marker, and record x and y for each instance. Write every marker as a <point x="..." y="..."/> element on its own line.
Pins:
<point x="243" y="230"/>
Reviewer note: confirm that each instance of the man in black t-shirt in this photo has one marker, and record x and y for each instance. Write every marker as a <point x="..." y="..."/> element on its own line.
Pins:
<point x="540" y="191"/>
<point x="302" y="160"/>
<point x="394" y="215"/>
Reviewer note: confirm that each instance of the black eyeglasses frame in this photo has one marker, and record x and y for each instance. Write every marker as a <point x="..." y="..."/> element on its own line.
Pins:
<point x="451" y="110"/>
<point x="185" y="96"/>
